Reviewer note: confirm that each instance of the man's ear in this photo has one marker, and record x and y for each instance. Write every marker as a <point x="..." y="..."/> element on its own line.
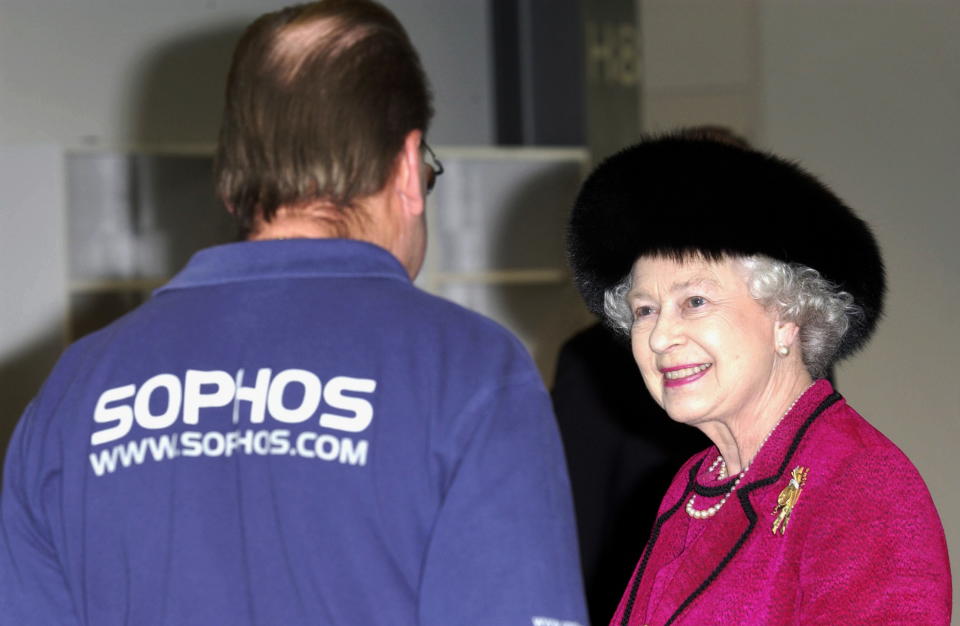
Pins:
<point x="409" y="174"/>
<point x="227" y="205"/>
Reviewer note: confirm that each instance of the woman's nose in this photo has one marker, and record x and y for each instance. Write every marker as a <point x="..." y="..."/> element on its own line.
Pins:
<point x="666" y="333"/>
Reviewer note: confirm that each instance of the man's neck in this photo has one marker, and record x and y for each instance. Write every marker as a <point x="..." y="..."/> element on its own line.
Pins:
<point x="306" y="222"/>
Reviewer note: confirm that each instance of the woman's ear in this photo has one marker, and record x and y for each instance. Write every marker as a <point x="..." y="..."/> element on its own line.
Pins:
<point x="785" y="334"/>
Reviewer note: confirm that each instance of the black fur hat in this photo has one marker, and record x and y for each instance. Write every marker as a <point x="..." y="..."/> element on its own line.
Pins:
<point x="677" y="194"/>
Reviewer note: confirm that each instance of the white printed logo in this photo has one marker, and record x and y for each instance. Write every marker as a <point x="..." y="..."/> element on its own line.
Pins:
<point x="191" y="443"/>
<point x="164" y="400"/>
<point x="215" y="388"/>
<point x="550" y="621"/>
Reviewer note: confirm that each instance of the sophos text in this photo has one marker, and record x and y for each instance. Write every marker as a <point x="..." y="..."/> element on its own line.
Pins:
<point x="161" y="400"/>
<point x="248" y="442"/>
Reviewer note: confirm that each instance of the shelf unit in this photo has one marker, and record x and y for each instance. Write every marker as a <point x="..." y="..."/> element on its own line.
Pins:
<point x="496" y="223"/>
<point x="135" y="215"/>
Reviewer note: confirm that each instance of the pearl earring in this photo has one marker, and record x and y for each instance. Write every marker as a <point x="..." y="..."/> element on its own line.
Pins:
<point x="783" y="350"/>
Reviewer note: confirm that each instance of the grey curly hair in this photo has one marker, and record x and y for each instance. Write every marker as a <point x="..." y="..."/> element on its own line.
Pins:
<point x="798" y="294"/>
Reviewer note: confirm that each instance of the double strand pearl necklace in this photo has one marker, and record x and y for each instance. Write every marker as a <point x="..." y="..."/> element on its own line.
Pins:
<point x="696" y="513"/>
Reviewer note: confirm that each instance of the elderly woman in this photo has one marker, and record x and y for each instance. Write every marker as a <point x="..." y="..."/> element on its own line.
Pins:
<point x="740" y="280"/>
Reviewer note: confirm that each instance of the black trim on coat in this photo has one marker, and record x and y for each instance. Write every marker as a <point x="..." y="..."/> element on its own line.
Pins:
<point x="654" y="534"/>
<point x="742" y="494"/>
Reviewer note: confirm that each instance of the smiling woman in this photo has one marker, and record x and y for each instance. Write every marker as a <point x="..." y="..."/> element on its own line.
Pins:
<point x="796" y="292"/>
<point x="707" y="349"/>
<point x="740" y="280"/>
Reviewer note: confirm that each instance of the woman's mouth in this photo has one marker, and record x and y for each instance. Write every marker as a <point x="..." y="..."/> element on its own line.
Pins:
<point x="683" y="374"/>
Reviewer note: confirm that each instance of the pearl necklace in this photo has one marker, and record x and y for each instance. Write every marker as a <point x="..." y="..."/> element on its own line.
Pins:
<point x="723" y="467"/>
<point x="696" y="513"/>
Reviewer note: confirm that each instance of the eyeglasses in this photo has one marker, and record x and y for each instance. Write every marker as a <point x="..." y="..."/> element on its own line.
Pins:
<point x="434" y="166"/>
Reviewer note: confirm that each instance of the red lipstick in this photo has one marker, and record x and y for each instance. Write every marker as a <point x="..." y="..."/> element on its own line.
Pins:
<point x="697" y="372"/>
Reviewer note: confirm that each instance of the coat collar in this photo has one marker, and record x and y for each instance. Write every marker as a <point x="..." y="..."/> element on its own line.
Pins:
<point x="723" y="536"/>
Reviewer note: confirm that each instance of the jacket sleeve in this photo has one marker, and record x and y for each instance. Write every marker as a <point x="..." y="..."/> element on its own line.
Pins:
<point x="33" y="586"/>
<point x="503" y="549"/>
<point x="876" y="553"/>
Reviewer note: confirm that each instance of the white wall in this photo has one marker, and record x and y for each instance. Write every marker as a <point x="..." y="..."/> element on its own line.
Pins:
<point x="870" y="98"/>
<point x="866" y="94"/>
<point x="33" y="296"/>
<point x="700" y="64"/>
<point x="115" y="72"/>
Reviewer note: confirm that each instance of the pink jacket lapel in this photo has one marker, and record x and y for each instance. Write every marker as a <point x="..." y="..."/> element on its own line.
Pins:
<point x="703" y="561"/>
<point x="708" y="558"/>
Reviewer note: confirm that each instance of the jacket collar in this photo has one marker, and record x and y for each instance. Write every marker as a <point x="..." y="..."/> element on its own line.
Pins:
<point x="724" y="534"/>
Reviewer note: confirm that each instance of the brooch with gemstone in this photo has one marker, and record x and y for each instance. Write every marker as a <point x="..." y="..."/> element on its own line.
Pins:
<point x="788" y="499"/>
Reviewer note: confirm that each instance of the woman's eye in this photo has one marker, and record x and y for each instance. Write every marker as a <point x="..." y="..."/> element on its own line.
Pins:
<point x="696" y="302"/>
<point x="643" y="311"/>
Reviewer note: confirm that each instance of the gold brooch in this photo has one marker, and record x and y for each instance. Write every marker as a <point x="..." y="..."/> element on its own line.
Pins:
<point x="788" y="498"/>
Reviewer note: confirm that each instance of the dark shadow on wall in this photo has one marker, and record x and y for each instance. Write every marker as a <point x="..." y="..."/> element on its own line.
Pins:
<point x="22" y="373"/>
<point x="176" y="104"/>
<point x="153" y="205"/>
<point x="177" y="97"/>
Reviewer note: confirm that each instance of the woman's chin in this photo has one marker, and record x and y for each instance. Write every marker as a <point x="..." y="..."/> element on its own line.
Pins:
<point x="687" y="420"/>
<point x="685" y="412"/>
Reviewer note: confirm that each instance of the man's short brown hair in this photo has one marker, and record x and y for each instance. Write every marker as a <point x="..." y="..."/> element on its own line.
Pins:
<point x="319" y="100"/>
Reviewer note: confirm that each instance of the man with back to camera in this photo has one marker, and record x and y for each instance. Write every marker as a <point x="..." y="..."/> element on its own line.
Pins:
<point x="289" y="432"/>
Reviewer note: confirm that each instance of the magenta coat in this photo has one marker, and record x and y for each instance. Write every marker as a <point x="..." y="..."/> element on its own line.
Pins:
<point x="863" y="543"/>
